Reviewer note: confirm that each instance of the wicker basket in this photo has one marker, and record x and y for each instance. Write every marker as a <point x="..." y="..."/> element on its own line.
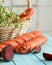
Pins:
<point x="8" y="33"/>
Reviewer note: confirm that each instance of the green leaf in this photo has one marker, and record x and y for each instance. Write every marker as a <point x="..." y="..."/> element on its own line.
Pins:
<point x="16" y="25"/>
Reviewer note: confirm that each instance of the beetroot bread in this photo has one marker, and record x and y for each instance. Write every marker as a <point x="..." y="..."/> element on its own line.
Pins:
<point x="6" y="52"/>
<point x="47" y="56"/>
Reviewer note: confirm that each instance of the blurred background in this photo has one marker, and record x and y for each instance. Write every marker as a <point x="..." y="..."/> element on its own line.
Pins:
<point x="42" y="18"/>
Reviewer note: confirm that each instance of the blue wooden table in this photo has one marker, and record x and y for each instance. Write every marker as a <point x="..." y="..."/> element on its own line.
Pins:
<point x="32" y="58"/>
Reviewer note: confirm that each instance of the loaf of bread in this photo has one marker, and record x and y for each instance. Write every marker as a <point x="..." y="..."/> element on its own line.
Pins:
<point x="30" y="45"/>
<point x="27" y="42"/>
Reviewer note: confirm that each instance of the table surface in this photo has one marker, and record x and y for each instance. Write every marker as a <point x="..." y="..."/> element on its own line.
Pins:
<point x="32" y="59"/>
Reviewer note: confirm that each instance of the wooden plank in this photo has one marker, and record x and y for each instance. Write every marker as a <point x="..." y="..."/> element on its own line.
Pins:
<point x="26" y="59"/>
<point x="41" y="58"/>
<point x="6" y="63"/>
<point x="45" y="48"/>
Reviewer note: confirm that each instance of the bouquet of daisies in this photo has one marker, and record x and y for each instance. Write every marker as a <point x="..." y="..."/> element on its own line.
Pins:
<point x="9" y="19"/>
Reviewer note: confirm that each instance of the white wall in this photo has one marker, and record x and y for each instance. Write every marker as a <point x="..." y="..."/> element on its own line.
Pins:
<point x="42" y="18"/>
<point x="45" y="16"/>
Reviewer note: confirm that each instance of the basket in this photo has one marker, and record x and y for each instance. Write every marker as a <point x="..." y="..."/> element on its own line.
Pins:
<point x="8" y="33"/>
